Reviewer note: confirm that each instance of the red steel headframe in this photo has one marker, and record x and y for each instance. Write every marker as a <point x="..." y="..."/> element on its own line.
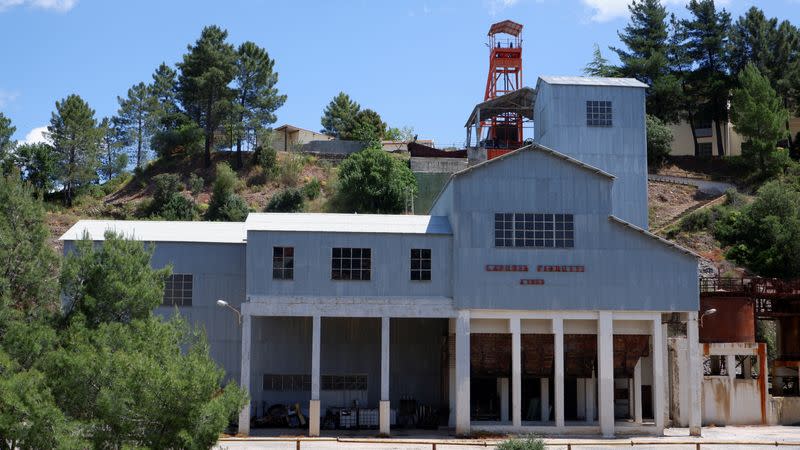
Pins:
<point x="505" y="75"/>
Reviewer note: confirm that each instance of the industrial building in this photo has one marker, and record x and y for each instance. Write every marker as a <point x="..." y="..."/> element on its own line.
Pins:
<point x="531" y="297"/>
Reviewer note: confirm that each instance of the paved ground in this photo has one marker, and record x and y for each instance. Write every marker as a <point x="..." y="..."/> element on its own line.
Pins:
<point x="737" y="438"/>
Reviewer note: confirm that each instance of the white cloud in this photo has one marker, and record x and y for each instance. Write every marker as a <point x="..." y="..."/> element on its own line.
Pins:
<point x="49" y="5"/>
<point x="36" y="135"/>
<point x="7" y="97"/>
<point x="605" y="10"/>
<point x="497" y="6"/>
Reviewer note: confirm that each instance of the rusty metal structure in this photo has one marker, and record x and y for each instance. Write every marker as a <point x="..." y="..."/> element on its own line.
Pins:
<point x="504" y="77"/>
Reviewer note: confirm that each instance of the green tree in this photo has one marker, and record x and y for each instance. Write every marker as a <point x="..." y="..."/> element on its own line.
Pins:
<point x="367" y="127"/>
<point x="706" y="34"/>
<point x="168" y="202"/>
<point x="339" y="116"/>
<point x="659" y="141"/>
<point x="112" y="282"/>
<point x="759" y="116"/>
<point x="599" y="65"/>
<point x="646" y="57"/>
<point x="405" y="134"/>
<point x="225" y="205"/>
<point x="206" y="72"/>
<point x="257" y="98"/>
<point x="287" y="200"/>
<point x="38" y="165"/>
<point x="6" y="143"/>
<point x="135" y="120"/>
<point x="178" y="134"/>
<point x="76" y="139"/>
<point x="28" y="265"/>
<point x="164" y="89"/>
<point x="373" y="181"/>
<point x="764" y="236"/>
<point x="112" y="159"/>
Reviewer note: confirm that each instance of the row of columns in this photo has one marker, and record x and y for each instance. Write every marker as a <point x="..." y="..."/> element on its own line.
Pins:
<point x="605" y="374"/>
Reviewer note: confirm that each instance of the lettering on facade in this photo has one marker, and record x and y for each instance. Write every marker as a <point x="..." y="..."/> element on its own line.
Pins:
<point x="506" y="268"/>
<point x="531" y="281"/>
<point x="560" y="268"/>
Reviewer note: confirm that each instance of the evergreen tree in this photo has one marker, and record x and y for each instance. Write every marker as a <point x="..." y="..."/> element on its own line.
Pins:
<point x="646" y="57"/>
<point x="164" y="90"/>
<point x="706" y="33"/>
<point x="203" y="84"/>
<point x="373" y="181"/>
<point x="136" y="120"/>
<point x="76" y="139"/>
<point x="112" y="160"/>
<point x="599" y="66"/>
<point x="758" y="115"/>
<point x="6" y="143"/>
<point x="38" y="166"/>
<point x="257" y="98"/>
<point x="367" y="127"/>
<point x="339" y="116"/>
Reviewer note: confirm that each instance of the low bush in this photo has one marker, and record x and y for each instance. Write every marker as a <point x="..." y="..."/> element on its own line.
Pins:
<point x="290" y="168"/>
<point x="696" y="221"/>
<point x="287" y="200"/>
<point x="312" y="189"/>
<point x="522" y="443"/>
<point x="196" y="184"/>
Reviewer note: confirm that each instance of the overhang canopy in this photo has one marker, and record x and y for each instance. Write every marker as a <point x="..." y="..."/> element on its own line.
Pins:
<point x="506" y="26"/>
<point x="520" y="101"/>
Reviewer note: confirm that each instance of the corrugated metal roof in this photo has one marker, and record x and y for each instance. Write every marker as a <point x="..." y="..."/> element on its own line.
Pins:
<point x="160" y="231"/>
<point x="617" y="220"/>
<point x="543" y="149"/>
<point x="593" y="81"/>
<point x="348" y="223"/>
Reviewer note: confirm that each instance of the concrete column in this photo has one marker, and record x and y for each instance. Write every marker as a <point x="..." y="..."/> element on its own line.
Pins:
<point x="462" y="374"/>
<point x="605" y="374"/>
<point x="544" y="387"/>
<point x="384" y="407"/>
<point x="631" y="409"/>
<point x="451" y="374"/>
<point x="558" y="344"/>
<point x="502" y="393"/>
<point x="665" y="368"/>
<point x="314" y="404"/>
<point x="637" y="391"/>
<point x="730" y="366"/>
<point x="247" y="336"/>
<point x="516" y="372"/>
<point x="580" y="398"/>
<point x="695" y="375"/>
<point x="747" y="368"/>
<point x="659" y="380"/>
<point x="591" y="390"/>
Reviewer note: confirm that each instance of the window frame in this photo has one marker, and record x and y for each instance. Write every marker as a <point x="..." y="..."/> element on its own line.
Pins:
<point x="419" y="257"/>
<point x="534" y="230"/>
<point x="709" y="146"/>
<point x="283" y="271"/>
<point x="599" y="113"/>
<point x="170" y="290"/>
<point x="347" y="261"/>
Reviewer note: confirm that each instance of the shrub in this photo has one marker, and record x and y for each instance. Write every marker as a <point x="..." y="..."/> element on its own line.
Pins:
<point x="659" y="142"/>
<point x="290" y="168"/>
<point x="522" y="443"/>
<point x="178" y="208"/>
<point x="234" y="209"/>
<point x="267" y="159"/>
<point x="287" y="200"/>
<point x="196" y="184"/>
<point x="312" y="189"/>
<point x="166" y="184"/>
<point x="373" y="181"/>
<point x="696" y="220"/>
<point x="225" y="205"/>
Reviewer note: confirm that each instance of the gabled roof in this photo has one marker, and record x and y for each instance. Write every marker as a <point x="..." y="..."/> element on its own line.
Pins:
<point x="630" y="226"/>
<point x="520" y="101"/>
<point x="160" y="231"/>
<point x="348" y="223"/>
<point x="506" y="26"/>
<point x="532" y="147"/>
<point x="593" y="81"/>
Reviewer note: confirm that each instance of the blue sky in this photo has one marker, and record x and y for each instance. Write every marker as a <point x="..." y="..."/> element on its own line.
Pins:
<point x="419" y="63"/>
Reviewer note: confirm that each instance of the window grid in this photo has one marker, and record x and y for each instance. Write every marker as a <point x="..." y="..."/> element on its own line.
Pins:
<point x="351" y="264"/>
<point x="178" y="290"/>
<point x="302" y="382"/>
<point x="282" y="263"/>
<point x="420" y="264"/>
<point x="704" y="149"/>
<point x="534" y="230"/>
<point x="598" y="113"/>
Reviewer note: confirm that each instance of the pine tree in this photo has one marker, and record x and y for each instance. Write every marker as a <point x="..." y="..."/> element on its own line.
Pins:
<point x="203" y="84"/>
<point x="136" y="120"/>
<point x="6" y="143"/>
<point x="339" y="116"/>
<point x="599" y="66"/>
<point x="112" y="160"/>
<point x="164" y="90"/>
<point x="257" y="98"/>
<point x="37" y="163"/>
<point x="76" y="139"/>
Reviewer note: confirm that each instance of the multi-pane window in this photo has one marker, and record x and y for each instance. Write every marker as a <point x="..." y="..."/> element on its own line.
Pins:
<point x="704" y="149"/>
<point x="534" y="230"/>
<point x="351" y="264"/>
<point x="598" y="113"/>
<point x="178" y="290"/>
<point x="302" y="382"/>
<point x="420" y="264"/>
<point x="282" y="263"/>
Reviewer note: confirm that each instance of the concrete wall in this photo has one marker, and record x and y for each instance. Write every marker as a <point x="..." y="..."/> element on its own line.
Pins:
<point x="729" y="401"/>
<point x="218" y="272"/>
<point x="437" y="165"/>
<point x="335" y="147"/>
<point x="283" y="140"/>
<point x="615" y="258"/>
<point x="391" y="265"/>
<point x="282" y="345"/>
<point x="620" y="150"/>
<point x="682" y="143"/>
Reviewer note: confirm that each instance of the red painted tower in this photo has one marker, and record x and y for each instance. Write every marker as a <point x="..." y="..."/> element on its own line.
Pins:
<point x="505" y="75"/>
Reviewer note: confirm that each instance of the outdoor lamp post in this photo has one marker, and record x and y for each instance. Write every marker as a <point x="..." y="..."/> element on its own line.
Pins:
<point x="708" y="312"/>
<point x="223" y="304"/>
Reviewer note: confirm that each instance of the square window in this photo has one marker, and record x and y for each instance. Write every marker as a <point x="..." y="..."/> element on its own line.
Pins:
<point x="350" y="264"/>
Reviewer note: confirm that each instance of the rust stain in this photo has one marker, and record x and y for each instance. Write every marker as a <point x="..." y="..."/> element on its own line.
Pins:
<point x="706" y="350"/>
<point x="762" y="380"/>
